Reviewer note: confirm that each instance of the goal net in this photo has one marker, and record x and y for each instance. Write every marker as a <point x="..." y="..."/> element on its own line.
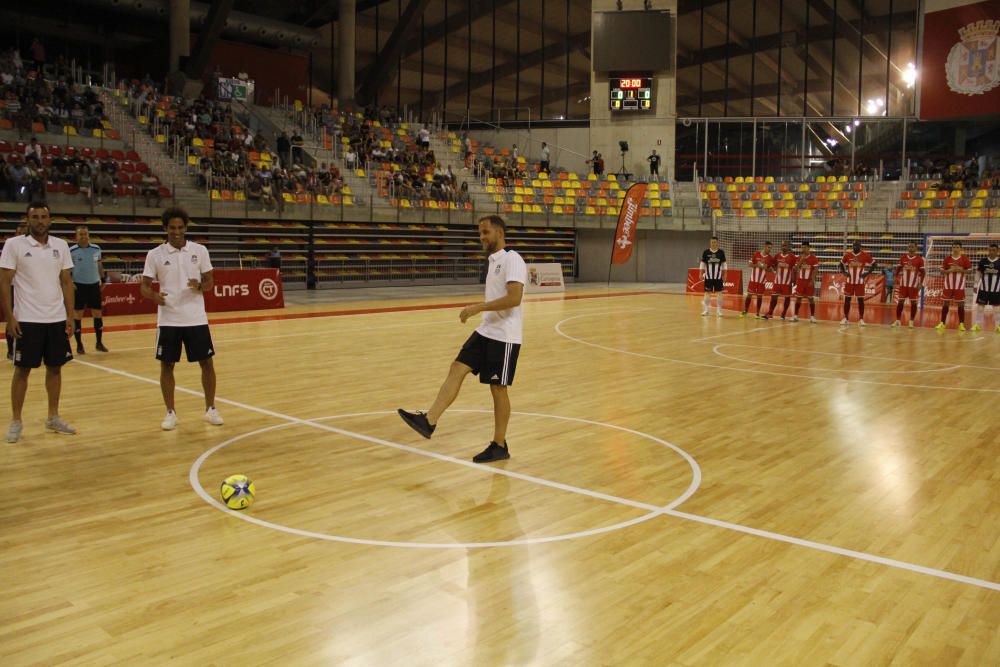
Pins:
<point x="938" y="246"/>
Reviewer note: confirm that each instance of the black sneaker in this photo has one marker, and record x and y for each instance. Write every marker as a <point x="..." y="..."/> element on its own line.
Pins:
<point x="417" y="421"/>
<point x="79" y="349"/>
<point x="101" y="348"/>
<point x="493" y="452"/>
<point x="765" y="317"/>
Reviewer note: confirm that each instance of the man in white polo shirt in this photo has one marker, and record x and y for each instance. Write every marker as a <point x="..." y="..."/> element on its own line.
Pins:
<point x="40" y="268"/>
<point x="184" y="272"/>
<point x="492" y="349"/>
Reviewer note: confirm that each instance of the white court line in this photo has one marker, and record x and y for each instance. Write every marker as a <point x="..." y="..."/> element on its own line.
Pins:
<point x="863" y="356"/>
<point x="667" y="510"/>
<point x="737" y="369"/>
<point x="335" y="331"/>
<point x="834" y="354"/>
<point x="429" y="454"/>
<point x="850" y="553"/>
<point x="964" y="339"/>
<point x="734" y="333"/>
<point x="716" y="351"/>
<point x="654" y="511"/>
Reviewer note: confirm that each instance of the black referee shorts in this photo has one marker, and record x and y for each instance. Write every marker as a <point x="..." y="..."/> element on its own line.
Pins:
<point x="492" y="360"/>
<point x="985" y="298"/>
<point x="39" y="342"/>
<point x="713" y="284"/>
<point x="87" y="295"/>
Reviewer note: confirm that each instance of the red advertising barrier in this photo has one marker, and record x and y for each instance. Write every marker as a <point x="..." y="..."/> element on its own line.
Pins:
<point x="731" y="284"/>
<point x="252" y="289"/>
<point x="832" y="287"/>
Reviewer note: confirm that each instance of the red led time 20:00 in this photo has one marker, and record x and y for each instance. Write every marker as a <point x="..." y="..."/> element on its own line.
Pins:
<point x="627" y="84"/>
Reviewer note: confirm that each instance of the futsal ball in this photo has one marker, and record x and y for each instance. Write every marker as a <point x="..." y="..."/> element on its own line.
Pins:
<point x="238" y="492"/>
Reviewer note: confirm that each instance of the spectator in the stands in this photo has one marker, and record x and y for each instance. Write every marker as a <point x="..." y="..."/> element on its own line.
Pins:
<point x="38" y="52"/>
<point x="350" y="158"/>
<point x="104" y="184"/>
<point x="298" y="147"/>
<point x="33" y="152"/>
<point x="86" y="182"/>
<point x="463" y="193"/>
<point x="284" y="147"/>
<point x="424" y="137"/>
<point x="17" y="180"/>
<point x="150" y="189"/>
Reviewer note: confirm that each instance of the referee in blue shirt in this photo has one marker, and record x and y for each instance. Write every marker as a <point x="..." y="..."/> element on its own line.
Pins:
<point x="88" y="276"/>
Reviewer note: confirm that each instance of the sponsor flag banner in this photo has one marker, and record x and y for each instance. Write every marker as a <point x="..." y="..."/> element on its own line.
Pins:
<point x="960" y="60"/>
<point x="832" y="287"/>
<point x="628" y="218"/>
<point x="732" y="282"/>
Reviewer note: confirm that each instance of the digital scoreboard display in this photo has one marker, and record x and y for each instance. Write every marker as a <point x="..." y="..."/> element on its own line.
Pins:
<point x="629" y="93"/>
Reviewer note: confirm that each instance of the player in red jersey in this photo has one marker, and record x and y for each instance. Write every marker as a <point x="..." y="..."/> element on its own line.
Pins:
<point x="910" y="274"/>
<point x="805" y="281"/>
<point x="856" y="264"/>
<point x="761" y="262"/>
<point x="784" y="274"/>
<point x="954" y="268"/>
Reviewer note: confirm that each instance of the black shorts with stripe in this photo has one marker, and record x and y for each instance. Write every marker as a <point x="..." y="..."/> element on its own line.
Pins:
<point x="40" y="342"/>
<point x="197" y="341"/>
<point x="87" y="295"/>
<point x="713" y="285"/>
<point x="984" y="298"/>
<point x="492" y="360"/>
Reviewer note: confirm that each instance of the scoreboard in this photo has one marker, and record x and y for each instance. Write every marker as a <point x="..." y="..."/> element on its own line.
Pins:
<point x="633" y="93"/>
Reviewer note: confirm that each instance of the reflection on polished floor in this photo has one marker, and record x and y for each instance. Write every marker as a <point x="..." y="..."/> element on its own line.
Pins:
<point x="682" y="490"/>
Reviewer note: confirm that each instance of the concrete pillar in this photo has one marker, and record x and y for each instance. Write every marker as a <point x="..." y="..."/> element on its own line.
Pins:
<point x="345" y="51"/>
<point x="180" y="32"/>
<point x="643" y="131"/>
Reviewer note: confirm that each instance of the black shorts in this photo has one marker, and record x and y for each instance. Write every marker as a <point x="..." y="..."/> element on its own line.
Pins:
<point x="197" y="343"/>
<point x="46" y="342"/>
<point x="492" y="360"/>
<point x="87" y="295"/>
<point x="713" y="285"/>
<point x="988" y="298"/>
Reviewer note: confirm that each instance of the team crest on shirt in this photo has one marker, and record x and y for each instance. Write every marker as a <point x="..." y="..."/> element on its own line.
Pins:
<point x="194" y="259"/>
<point x="55" y="254"/>
<point x="973" y="67"/>
<point x="497" y="270"/>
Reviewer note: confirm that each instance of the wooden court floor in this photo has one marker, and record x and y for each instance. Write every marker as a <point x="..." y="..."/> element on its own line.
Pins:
<point x="683" y="491"/>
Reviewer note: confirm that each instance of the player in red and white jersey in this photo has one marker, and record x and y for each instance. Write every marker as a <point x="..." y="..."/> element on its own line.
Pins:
<point x="784" y="274"/>
<point x="856" y="264"/>
<point x="762" y="262"/>
<point x="954" y="268"/>
<point x="910" y="274"/>
<point x="805" y="281"/>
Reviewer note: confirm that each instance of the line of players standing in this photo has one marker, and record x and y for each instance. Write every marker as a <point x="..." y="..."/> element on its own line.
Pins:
<point x="856" y="264"/>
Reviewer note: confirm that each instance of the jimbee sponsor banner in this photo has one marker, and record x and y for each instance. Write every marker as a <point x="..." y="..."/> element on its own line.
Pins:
<point x="252" y="289"/>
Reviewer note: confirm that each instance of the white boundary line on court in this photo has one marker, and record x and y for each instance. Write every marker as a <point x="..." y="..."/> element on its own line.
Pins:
<point x="666" y="510"/>
<point x="973" y="338"/>
<point x="558" y="329"/>
<point x="864" y="356"/>
<point x="715" y="350"/>
<point x="653" y="510"/>
<point x="733" y="333"/>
